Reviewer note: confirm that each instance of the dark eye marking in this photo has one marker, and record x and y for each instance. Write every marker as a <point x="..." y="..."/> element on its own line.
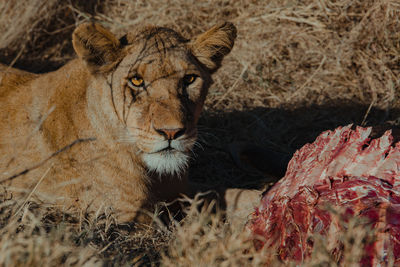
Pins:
<point x="189" y="79"/>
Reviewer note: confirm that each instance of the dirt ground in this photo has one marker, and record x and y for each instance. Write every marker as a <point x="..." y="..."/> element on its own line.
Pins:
<point x="298" y="68"/>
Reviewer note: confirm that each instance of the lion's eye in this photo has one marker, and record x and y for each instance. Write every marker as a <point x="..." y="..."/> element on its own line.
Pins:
<point x="136" y="81"/>
<point x="189" y="79"/>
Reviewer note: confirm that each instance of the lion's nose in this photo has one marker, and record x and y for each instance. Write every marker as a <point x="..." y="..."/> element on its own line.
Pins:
<point x="171" y="134"/>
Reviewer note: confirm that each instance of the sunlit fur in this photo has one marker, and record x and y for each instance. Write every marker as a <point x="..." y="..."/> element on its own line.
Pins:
<point x="126" y="156"/>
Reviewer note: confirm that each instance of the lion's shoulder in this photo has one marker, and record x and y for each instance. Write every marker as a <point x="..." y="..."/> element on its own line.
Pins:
<point x="11" y="78"/>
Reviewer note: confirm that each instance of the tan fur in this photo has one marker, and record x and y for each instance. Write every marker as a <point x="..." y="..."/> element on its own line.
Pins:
<point x="84" y="137"/>
<point x="211" y="46"/>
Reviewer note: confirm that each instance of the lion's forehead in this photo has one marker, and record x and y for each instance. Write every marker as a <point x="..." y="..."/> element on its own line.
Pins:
<point x="156" y="41"/>
<point x="154" y="63"/>
<point x="164" y="68"/>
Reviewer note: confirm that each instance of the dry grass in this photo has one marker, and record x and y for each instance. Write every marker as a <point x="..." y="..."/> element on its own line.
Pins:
<point x="297" y="68"/>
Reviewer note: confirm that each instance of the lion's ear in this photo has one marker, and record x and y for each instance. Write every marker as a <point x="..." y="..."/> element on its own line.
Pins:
<point x="211" y="47"/>
<point x="97" y="46"/>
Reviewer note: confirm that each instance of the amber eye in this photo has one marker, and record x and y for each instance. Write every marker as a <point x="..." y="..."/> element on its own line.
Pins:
<point x="189" y="79"/>
<point x="136" y="81"/>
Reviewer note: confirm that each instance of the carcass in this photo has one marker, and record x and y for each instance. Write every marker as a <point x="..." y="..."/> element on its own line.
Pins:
<point x="345" y="170"/>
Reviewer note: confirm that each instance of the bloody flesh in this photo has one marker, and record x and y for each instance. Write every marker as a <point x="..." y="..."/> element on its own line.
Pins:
<point x="346" y="170"/>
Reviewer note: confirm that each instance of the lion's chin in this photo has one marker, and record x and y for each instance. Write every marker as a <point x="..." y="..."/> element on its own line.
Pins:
<point x="170" y="162"/>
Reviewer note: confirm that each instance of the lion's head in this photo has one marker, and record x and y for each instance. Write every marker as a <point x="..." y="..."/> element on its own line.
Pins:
<point x="158" y="82"/>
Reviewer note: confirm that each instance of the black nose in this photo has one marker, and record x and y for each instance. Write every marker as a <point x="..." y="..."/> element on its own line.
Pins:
<point x="171" y="134"/>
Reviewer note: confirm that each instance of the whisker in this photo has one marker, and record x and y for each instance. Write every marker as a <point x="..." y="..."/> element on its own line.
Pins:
<point x="194" y="155"/>
<point x="206" y="134"/>
<point x="198" y="145"/>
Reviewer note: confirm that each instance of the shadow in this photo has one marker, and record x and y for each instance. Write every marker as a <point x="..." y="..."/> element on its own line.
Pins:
<point x="267" y="137"/>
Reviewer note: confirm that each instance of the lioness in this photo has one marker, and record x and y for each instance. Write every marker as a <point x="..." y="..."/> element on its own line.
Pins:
<point x="114" y="127"/>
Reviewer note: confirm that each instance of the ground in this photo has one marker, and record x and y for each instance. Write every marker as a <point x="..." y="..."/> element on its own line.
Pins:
<point x="298" y="68"/>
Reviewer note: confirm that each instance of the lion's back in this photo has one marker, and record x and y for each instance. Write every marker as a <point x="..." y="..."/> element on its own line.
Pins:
<point x="12" y="79"/>
<point x="18" y="141"/>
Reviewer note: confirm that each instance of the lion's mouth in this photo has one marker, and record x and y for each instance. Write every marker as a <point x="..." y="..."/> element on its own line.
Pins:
<point x="172" y="147"/>
<point x="166" y="149"/>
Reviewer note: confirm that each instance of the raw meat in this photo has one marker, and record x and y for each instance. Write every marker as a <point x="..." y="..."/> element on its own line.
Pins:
<point x="346" y="170"/>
